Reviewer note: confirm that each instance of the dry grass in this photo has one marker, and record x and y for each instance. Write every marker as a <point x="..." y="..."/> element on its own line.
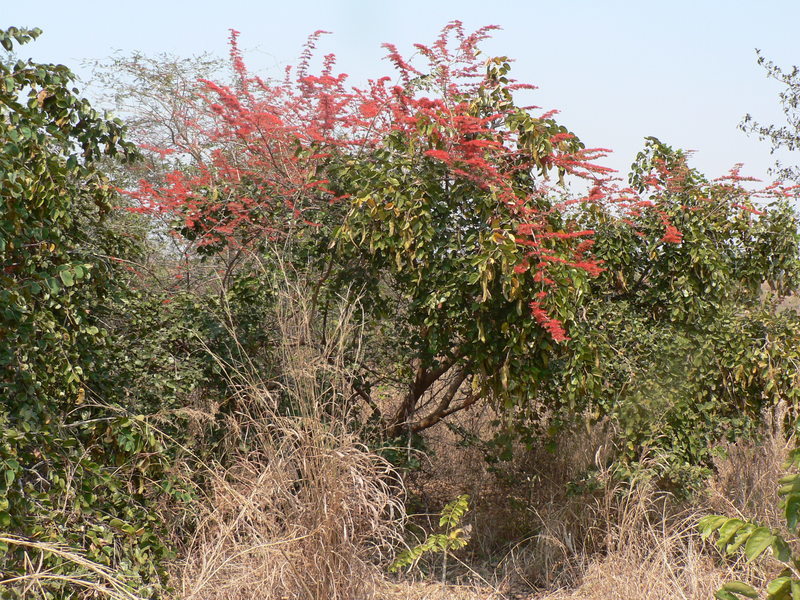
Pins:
<point x="653" y="548"/>
<point x="306" y="511"/>
<point x="650" y="552"/>
<point x="746" y="474"/>
<point x="306" y="515"/>
<point x="422" y="590"/>
<point x="82" y="575"/>
<point x="643" y="548"/>
<point x="618" y="540"/>
<point x="527" y="530"/>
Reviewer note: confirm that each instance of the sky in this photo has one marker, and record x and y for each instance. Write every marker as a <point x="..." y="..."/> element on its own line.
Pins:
<point x="683" y="71"/>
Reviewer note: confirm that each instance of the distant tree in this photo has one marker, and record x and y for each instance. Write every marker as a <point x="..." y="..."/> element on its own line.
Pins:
<point x="159" y="98"/>
<point x="786" y="137"/>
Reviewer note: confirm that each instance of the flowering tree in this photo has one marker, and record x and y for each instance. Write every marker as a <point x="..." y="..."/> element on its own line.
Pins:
<point x="439" y="185"/>
<point x="440" y="196"/>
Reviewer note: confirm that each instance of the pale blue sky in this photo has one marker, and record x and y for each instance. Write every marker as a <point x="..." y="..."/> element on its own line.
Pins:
<point x="618" y="71"/>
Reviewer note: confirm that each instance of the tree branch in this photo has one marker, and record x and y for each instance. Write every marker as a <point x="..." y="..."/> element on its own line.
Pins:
<point x="443" y="408"/>
<point x="423" y="380"/>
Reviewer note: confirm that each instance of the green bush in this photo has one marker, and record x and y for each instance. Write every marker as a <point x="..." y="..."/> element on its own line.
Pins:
<point x="74" y="473"/>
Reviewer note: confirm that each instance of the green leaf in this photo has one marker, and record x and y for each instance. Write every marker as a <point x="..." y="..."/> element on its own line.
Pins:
<point x="66" y="277"/>
<point x="727" y="531"/>
<point x="792" y="511"/>
<point x="53" y="285"/>
<point x="761" y="539"/>
<point x="737" y="587"/>
<point x="740" y="538"/>
<point x="454" y="511"/>
<point x="707" y="525"/>
<point x="789" y="484"/>
<point x="781" y="550"/>
<point x="778" y="586"/>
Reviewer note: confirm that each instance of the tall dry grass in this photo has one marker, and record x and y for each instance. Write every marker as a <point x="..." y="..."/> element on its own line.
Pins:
<point x="76" y="573"/>
<point x="746" y="473"/>
<point x="653" y="549"/>
<point x="613" y="539"/>
<point x="301" y="509"/>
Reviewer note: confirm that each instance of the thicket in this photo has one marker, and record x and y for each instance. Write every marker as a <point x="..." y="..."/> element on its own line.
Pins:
<point x="226" y="345"/>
